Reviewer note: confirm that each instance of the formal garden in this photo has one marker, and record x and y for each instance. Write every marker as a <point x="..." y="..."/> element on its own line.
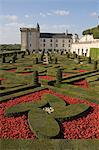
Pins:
<point x="48" y="100"/>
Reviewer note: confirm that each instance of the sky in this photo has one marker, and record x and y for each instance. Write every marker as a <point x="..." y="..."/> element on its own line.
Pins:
<point x="52" y="16"/>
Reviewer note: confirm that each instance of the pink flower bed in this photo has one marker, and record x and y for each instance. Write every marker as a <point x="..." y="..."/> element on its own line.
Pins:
<point x="82" y="83"/>
<point x="17" y="127"/>
<point x="47" y="77"/>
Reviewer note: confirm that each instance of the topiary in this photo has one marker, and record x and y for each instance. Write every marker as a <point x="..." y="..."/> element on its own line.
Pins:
<point x="36" y="60"/>
<point x="14" y="58"/>
<point x="22" y="56"/>
<point x="95" y="64"/>
<point x="89" y="60"/>
<point x="58" y="76"/>
<point x="35" y="78"/>
<point x="78" y="59"/>
<point x="3" y="58"/>
<point x="56" y="60"/>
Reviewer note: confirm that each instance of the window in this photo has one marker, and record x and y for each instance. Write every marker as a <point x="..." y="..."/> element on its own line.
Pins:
<point x="63" y="45"/>
<point x="43" y="40"/>
<point x="56" y="45"/>
<point x="50" y="45"/>
<point x="50" y="40"/>
<point x="30" y="33"/>
<point x="63" y="41"/>
<point x="69" y="41"/>
<point x="56" y="40"/>
<point x="68" y="45"/>
<point x="30" y="44"/>
<point x="43" y="45"/>
<point x="82" y="51"/>
<point x="78" y="51"/>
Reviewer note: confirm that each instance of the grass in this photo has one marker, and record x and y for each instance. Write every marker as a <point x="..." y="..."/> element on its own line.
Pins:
<point x="43" y="144"/>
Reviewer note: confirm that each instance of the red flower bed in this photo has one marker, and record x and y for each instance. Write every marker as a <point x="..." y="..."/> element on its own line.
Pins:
<point x="47" y="77"/>
<point x="2" y="79"/>
<point x="12" y="70"/>
<point x="17" y="127"/>
<point x="25" y="73"/>
<point x="82" y="83"/>
<point x="82" y="70"/>
<point x="29" y="67"/>
<point x="66" y="74"/>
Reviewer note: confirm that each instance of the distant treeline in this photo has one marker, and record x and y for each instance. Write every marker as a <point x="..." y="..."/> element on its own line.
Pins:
<point x="9" y="47"/>
<point x="94" y="31"/>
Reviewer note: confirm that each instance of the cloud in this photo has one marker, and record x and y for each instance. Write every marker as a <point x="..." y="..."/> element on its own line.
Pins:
<point x="49" y="14"/>
<point x="42" y="14"/>
<point x="61" y="12"/>
<point x="93" y="14"/>
<point x="54" y="28"/>
<point x="27" y="16"/>
<point x="12" y="18"/>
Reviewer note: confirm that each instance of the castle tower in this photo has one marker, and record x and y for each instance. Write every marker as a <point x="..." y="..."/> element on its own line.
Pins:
<point x="30" y="38"/>
<point x="24" y="37"/>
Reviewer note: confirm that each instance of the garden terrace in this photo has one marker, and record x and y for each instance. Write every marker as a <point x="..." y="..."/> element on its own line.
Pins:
<point x="25" y="116"/>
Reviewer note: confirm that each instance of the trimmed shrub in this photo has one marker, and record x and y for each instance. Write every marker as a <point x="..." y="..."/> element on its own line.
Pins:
<point x="67" y="54"/>
<point x="95" y="64"/>
<point x="78" y="59"/>
<point x="56" y="60"/>
<point x="89" y="60"/>
<point x="42" y="55"/>
<point x="59" y="76"/>
<point x="35" y="78"/>
<point x="36" y="60"/>
<point x="3" y="58"/>
<point x="22" y="56"/>
<point x="28" y="51"/>
<point x="14" y="57"/>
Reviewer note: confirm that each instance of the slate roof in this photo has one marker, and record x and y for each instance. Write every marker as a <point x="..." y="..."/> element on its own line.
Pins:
<point x="55" y="35"/>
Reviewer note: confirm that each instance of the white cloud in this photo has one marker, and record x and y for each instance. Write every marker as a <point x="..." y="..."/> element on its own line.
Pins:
<point x="27" y="16"/>
<point x="93" y="14"/>
<point x="42" y="14"/>
<point x="61" y="12"/>
<point x="49" y="14"/>
<point x="9" y="18"/>
<point x="54" y="28"/>
<point x="12" y="18"/>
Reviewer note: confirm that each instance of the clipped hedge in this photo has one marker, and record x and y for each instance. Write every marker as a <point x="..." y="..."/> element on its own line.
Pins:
<point x="20" y="93"/>
<point x="43" y="123"/>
